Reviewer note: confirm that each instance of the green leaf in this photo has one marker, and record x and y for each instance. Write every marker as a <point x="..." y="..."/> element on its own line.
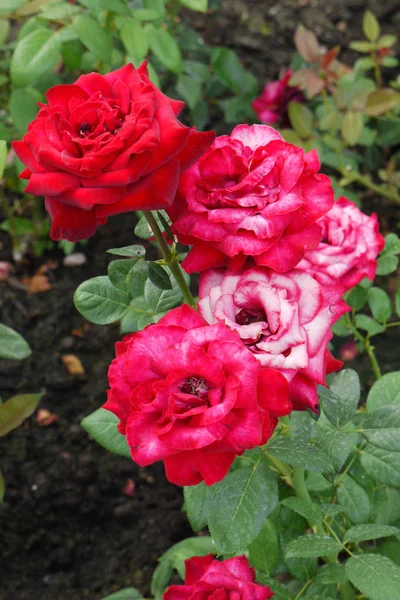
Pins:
<point x="384" y="391"/>
<point x="354" y="500"/>
<point x="4" y="31"/>
<point x="138" y="317"/>
<point x="57" y="11"/>
<point x="361" y="46"/>
<point x="232" y="73"/>
<point x="382" y="465"/>
<point x="357" y="297"/>
<point x="236" y="514"/>
<point x="301" y="119"/>
<point x="328" y="574"/>
<point x="352" y="126"/>
<point x="2" y="488"/>
<point x="363" y="533"/>
<point x="369" y="325"/>
<point x="135" y="40"/>
<point x="159" y="277"/>
<point x="382" y="428"/>
<point x="9" y="6"/>
<point x="23" y="108"/>
<point x="370" y="26"/>
<point x="381" y="101"/>
<point x="387" y="264"/>
<point x="131" y="251"/>
<point x="300" y="454"/>
<point x="102" y="426"/>
<point x="161" y="301"/>
<point x="100" y="302"/>
<point x="375" y="576"/>
<point x="313" y="545"/>
<point x="165" y="48"/>
<point x="12" y="345"/>
<point x="198" y="5"/>
<point x="189" y="89"/>
<point x="119" y="272"/>
<point x="337" y="444"/>
<point x="380" y="304"/>
<point x="308" y="510"/>
<point x="388" y="132"/>
<point x="35" y="55"/>
<point x="93" y="37"/>
<point x="386" y="505"/>
<point x="137" y="278"/>
<point x="340" y="401"/>
<point x="126" y="594"/>
<point x="174" y="558"/>
<point x="3" y="156"/>
<point x="197" y="504"/>
<point x="118" y="7"/>
<point x="15" y="410"/>
<point x="71" y="53"/>
<point x="264" y="549"/>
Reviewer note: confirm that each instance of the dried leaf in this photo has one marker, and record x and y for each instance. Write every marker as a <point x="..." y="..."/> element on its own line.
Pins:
<point x="37" y="284"/>
<point x="307" y="44"/>
<point x="73" y="364"/>
<point x="44" y="417"/>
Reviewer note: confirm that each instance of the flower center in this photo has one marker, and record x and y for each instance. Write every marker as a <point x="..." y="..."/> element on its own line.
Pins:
<point x="196" y="386"/>
<point x="246" y="316"/>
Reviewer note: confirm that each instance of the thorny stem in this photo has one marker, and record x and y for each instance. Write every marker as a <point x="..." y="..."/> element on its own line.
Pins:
<point x="170" y="258"/>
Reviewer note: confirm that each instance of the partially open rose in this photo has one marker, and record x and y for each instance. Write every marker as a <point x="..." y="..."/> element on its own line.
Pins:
<point x="350" y="244"/>
<point x="251" y="195"/>
<point x="210" y="579"/>
<point x="272" y="104"/>
<point x="105" y="145"/>
<point x="284" y="319"/>
<point x="193" y="396"/>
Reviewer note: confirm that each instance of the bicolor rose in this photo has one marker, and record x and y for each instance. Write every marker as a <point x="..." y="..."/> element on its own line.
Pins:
<point x="106" y="145"/>
<point x="272" y="105"/>
<point x="209" y="579"/>
<point x="193" y="396"/>
<point x="251" y="195"/>
<point x="350" y="244"/>
<point x="285" y="319"/>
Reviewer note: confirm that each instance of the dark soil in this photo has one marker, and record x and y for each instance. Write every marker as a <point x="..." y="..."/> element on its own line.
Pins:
<point x="67" y="530"/>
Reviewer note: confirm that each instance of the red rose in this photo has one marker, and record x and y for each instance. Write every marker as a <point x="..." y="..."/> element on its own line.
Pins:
<point x="350" y="244"/>
<point x="285" y="319"/>
<point x="192" y="395"/>
<point x="251" y="195"/>
<point x="207" y="578"/>
<point x="105" y="145"/>
<point x="272" y="104"/>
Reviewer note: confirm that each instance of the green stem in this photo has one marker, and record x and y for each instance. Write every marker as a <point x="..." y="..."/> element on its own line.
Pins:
<point x="367" y="346"/>
<point x="377" y="70"/>
<point x="278" y="464"/>
<point x="366" y="182"/>
<point x="372" y="359"/>
<point x="171" y="259"/>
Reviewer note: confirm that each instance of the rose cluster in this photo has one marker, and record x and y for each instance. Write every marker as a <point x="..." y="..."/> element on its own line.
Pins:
<point x="275" y="255"/>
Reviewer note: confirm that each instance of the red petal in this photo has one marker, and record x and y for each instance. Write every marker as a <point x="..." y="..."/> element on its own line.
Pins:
<point x="70" y="223"/>
<point x="203" y="257"/>
<point x="51" y="183"/>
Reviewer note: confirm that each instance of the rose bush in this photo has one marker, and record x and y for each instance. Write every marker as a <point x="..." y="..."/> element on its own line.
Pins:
<point x="192" y="395"/>
<point x="251" y="195"/>
<point x="105" y="145"/>
<point x="350" y="244"/>
<point x="231" y="579"/>
<point x="272" y="105"/>
<point x="284" y="319"/>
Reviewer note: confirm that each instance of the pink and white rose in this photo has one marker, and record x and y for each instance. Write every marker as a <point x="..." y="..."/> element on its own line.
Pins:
<point x="251" y="195"/>
<point x="285" y="319"/>
<point x="350" y="244"/>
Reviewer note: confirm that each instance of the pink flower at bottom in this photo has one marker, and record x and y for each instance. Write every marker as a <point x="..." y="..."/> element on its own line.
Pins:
<point x="272" y="104"/>
<point x="209" y="579"/>
<point x="192" y="395"/>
